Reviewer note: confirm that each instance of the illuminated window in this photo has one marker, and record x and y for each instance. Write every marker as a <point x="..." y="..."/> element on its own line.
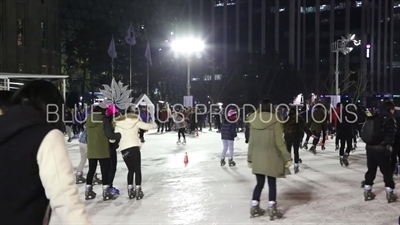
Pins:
<point x="20" y="32"/>
<point x="218" y="77"/>
<point x="207" y="77"/>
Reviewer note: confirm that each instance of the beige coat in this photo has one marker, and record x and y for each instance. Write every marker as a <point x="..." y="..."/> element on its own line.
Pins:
<point x="267" y="149"/>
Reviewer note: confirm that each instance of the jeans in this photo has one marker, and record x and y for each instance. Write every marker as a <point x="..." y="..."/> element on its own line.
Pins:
<point x="227" y="145"/>
<point x="260" y="186"/>
<point x="83" y="150"/>
<point x="375" y="159"/>
<point x="132" y="158"/>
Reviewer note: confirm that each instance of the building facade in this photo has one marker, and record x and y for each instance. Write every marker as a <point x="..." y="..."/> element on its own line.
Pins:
<point x="29" y="37"/>
<point x="301" y="32"/>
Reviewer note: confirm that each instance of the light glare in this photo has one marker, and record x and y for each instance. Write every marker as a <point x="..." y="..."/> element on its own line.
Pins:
<point x="188" y="46"/>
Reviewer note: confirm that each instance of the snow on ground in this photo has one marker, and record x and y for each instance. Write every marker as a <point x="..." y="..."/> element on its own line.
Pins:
<point x="203" y="192"/>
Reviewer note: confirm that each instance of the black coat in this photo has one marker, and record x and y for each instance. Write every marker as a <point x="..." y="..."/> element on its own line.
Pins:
<point x="346" y="124"/>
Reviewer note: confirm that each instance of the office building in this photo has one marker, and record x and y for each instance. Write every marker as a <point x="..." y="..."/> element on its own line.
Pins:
<point x="29" y="37"/>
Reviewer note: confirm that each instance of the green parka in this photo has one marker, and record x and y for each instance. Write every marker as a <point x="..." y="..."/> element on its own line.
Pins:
<point x="267" y="149"/>
<point x="97" y="146"/>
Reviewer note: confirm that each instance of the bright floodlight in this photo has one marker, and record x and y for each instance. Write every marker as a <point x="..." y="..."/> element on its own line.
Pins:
<point x="188" y="46"/>
<point x="352" y="37"/>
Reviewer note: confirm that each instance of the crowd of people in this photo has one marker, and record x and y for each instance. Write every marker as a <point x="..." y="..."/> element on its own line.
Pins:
<point x="271" y="136"/>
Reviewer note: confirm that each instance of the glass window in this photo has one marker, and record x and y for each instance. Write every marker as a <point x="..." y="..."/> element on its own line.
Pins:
<point x="44" y="69"/>
<point x="21" y="68"/>
<point x="43" y="30"/>
<point x="207" y="77"/>
<point x="218" y="77"/>
<point x="20" y="32"/>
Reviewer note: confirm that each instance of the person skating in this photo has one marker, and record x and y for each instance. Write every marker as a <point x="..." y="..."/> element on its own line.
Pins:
<point x="98" y="152"/>
<point x="36" y="172"/>
<point x="180" y="126"/>
<point x="396" y="146"/>
<point x="379" y="150"/>
<point x="228" y="134"/>
<point x="345" y="131"/>
<point x="128" y="126"/>
<point x="267" y="156"/>
<point x="83" y="151"/>
<point x="318" y="126"/>
<point x="293" y="130"/>
<point x="111" y="113"/>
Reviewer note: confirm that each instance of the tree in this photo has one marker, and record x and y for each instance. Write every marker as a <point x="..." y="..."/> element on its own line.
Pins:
<point x="360" y="85"/>
<point x="345" y="82"/>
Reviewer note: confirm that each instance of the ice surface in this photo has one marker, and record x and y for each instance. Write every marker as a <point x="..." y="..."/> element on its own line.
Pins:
<point x="206" y="193"/>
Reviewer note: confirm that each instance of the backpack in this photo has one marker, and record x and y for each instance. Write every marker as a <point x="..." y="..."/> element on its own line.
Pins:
<point x="371" y="130"/>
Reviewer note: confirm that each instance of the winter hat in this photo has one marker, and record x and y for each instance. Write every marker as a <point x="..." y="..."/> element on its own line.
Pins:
<point x="111" y="110"/>
<point x="231" y="112"/>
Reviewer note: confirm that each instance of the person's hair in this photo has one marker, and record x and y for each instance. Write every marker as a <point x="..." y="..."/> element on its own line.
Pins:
<point x="43" y="96"/>
<point x="266" y="105"/>
<point x="5" y="100"/>
<point x="387" y="105"/>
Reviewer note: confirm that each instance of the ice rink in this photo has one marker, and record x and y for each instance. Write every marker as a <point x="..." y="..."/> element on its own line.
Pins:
<point x="206" y="193"/>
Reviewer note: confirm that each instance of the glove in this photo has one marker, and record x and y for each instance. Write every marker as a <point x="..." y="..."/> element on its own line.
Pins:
<point x="250" y="165"/>
<point x="288" y="164"/>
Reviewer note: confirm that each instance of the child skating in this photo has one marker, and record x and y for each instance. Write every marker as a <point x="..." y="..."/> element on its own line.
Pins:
<point x="228" y="134"/>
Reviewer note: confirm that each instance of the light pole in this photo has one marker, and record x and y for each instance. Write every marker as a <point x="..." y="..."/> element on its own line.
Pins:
<point x="187" y="48"/>
<point x="341" y="46"/>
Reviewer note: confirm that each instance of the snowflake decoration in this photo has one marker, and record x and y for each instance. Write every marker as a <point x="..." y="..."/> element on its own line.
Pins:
<point x="116" y="94"/>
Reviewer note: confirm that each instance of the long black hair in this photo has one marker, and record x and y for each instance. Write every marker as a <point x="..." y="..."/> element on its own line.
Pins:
<point x="45" y="97"/>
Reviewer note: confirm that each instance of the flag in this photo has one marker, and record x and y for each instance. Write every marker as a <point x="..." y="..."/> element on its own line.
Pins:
<point x="111" y="49"/>
<point x="130" y="36"/>
<point x="147" y="54"/>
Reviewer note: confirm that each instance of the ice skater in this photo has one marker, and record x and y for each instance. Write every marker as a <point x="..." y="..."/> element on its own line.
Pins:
<point x="180" y="125"/>
<point x="128" y="126"/>
<point x="83" y="150"/>
<point x="228" y="134"/>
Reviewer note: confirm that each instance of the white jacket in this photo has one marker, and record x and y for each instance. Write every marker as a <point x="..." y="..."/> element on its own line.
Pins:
<point x="57" y="175"/>
<point x="128" y="126"/>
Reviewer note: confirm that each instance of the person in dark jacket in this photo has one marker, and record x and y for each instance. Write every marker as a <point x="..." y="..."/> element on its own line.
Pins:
<point x="396" y="146"/>
<point x="5" y="101"/>
<point x="319" y="125"/>
<point x="345" y="131"/>
<point x="293" y="130"/>
<point x="228" y="134"/>
<point x="34" y="162"/>
<point x="379" y="153"/>
<point x="109" y="131"/>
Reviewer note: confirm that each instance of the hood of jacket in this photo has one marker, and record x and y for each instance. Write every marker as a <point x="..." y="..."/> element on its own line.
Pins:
<point x="262" y="120"/>
<point x="127" y="121"/>
<point x="18" y="118"/>
<point x="94" y="120"/>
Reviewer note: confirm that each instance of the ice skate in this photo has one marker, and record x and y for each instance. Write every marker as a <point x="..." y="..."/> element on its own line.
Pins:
<point x="96" y="180"/>
<point x="131" y="192"/>
<point x="178" y="142"/>
<point x="114" y="191"/>
<point x="300" y="160"/>
<point x="305" y="145"/>
<point x="223" y="162"/>
<point x="80" y="179"/>
<point x="313" y="149"/>
<point x="89" y="193"/>
<point x="273" y="212"/>
<point x="390" y="196"/>
<point x="296" y="168"/>
<point x="255" y="210"/>
<point x="231" y="162"/>
<point x="107" y="195"/>
<point x="368" y="194"/>
<point x="184" y="141"/>
<point x="323" y="148"/>
<point x="344" y="161"/>
<point x="139" y="193"/>
<point x="337" y="148"/>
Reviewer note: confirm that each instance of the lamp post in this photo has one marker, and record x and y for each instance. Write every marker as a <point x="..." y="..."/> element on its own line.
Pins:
<point x="187" y="48"/>
<point x="341" y="46"/>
